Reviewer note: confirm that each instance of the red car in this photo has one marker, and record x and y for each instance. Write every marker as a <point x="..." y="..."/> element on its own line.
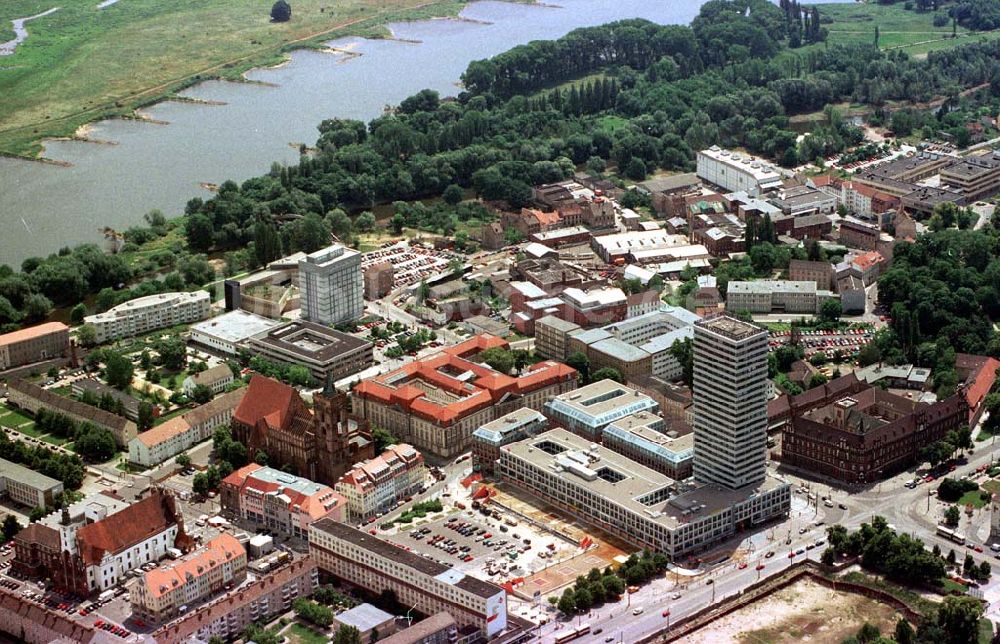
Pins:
<point x="977" y="548"/>
<point x="743" y="565"/>
<point x="666" y="613"/>
<point x="760" y="566"/>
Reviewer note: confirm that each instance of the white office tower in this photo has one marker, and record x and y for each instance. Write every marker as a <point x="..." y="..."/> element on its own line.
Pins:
<point x="331" y="284"/>
<point x="730" y="402"/>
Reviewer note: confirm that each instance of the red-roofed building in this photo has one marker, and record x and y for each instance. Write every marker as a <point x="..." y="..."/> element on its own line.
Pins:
<point x="320" y="446"/>
<point x="96" y="557"/>
<point x="34" y="344"/>
<point x="435" y="403"/>
<point x="865" y="201"/>
<point x="161" y="593"/>
<point x="870" y="265"/>
<point x="380" y="483"/>
<point x="978" y="373"/>
<point x="263" y="497"/>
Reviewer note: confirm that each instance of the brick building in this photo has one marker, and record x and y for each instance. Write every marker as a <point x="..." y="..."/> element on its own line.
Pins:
<point x="378" y="280"/>
<point x="319" y="444"/>
<point x="34" y="344"/>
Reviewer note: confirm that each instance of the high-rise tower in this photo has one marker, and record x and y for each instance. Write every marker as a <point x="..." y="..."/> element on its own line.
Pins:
<point x="331" y="285"/>
<point x="730" y="402"/>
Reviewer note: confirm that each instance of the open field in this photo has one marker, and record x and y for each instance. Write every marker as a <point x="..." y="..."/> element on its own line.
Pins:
<point x="910" y="31"/>
<point x="81" y="63"/>
<point x="802" y="612"/>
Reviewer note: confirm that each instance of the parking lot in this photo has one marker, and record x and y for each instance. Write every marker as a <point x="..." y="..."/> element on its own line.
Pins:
<point x="848" y="342"/>
<point x="410" y="263"/>
<point x="487" y="547"/>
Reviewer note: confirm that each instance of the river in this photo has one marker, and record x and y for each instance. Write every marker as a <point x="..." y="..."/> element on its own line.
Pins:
<point x="44" y="207"/>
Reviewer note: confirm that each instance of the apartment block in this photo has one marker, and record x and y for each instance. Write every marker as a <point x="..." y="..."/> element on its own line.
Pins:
<point x="165" y="592"/>
<point x="146" y="314"/>
<point x="30" y="397"/>
<point x="371" y="564"/>
<point x="331" y="284"/>
<point x="378" y="484"/>
<point x="33" y="344"/>
<point x="216" y="378"/>
<point x="975" y="177"/>
<point x="27" y="487"/>
<point x="264" y="599"/>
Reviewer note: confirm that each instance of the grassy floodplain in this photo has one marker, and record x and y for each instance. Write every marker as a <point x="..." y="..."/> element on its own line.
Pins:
<point x="81" y="63"/>
<point x="909" y="31"/>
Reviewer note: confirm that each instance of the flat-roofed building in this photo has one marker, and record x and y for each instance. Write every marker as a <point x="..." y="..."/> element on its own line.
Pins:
<point x="642" y="437"/>
<point x="509" y="428"/>
<point x="372" y="623"/>
<point x="596" y="306"/>
<point x="266" y="498"/>
<point x="588" y="410"/>
<point x="33" y="344"/>
<point x="734" y="171"/>
<point x="165" y="592"/>
<point x="228" y="333"/>
<point x="436" y="402"/>
<point x="621" y="245"/>
<point x="378" y="280"/>
<point x="326" y="352"/>
<point x="440" y="628"/>
<point x="639" y="505"/>
<point x="30" y="397"/>
<point x="975" y="177"/>
<point x="371" y="564"/>
<point x="378" y="484"/>
<point x="551" y="336"/>
<point x="149" y="313"/>
<point x="182" y="432"/>
<point x="262" y="600"/>
<point x="924" y="199"/>
<point x="27" y="487"/>
<point x="800" y="201"/>
<point x="331" y="284"/>
<point x="768" y="296"/>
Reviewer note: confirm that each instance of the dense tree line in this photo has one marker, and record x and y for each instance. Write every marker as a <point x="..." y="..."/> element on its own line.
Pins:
<point x="63" y="467"/>
<point x="93" y="443"/>
<point x="979" y="15"/>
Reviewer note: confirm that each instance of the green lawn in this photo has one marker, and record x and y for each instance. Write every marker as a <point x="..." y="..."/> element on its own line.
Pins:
<point x="985" y="631"/>
<point x="911" y="31"/>
<point x="81" y="63"/>
<point x="299" y="634"/>
<point x="992" y="486"/>
<point x="947" y="586"/>
<point x="972" y="498"/>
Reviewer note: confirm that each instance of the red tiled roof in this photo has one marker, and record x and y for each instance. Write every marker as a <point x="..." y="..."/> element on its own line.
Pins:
<point x="868" y="260"/>
<point x="266" y="399"/>
<point x="239" y="476"/>
<point x="980" y="380"/>
<point x="482" y="388"/>
<point x="134" y="524"/>
<point x="32" y="332"/>
<point x="216" y="552"/>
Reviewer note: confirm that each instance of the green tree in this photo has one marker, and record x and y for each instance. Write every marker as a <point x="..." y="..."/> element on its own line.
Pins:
<point x="199" y="232"/>
<point x="94" y="444"/>
<point x="173" y="353"/>
<point x="567" y="603"/>
<point x="36" y="514"/>
<point x="145" y="419"/>
<point x="365" y="222"/>
<point x="952" y="515"/>
<point x="348" y="635"/>
<point x="10" y="527"/>
<point x="397" y="223"/>
<point x="118" y="370"/>
<point x="868" y="633"/>
<point x="959" y="618"/>
<point x="37" y="307"/>
<point x="904" y="632"/>
<point x="383" y="438"/>
<point x="608" y="373"/>
<point x="499" y="358"/>
<point x="281" y="11"/>
<point x="452" y="195"/>
<point x="340" y="223"/>
<point x="683" y="352"/>
<point x="183" y="460"/>
<point x="579" y="361"/>
<point x="201" y="394"/>
<point x="200" y="484"/>
<point x="830" y="310"/>
<point x="77" y="314"/>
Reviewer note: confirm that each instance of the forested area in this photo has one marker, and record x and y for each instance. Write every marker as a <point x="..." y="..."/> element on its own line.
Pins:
<point x="651" y="95"/>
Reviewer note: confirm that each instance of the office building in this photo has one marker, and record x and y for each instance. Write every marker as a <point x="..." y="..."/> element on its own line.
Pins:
<point x="27" y="487"/>
<point x="641" y="506"/>
<point x="642" y="437"/>
<point x="165" y="592"/>
<point x="730" y="403"/>
<point x="146" y="314"/>
<point x="266" y="498"/>
<point x="733" y="171"/>
<point x="375" y="566"/>
<point x="775" y="296"/>
<point x="30" y="397"/>
<point x="327" y="353"/>
<point x="974" y="177"/>
<point x="261" y="601"/>
<point x="595" y="307"/>
<point x="588" y="410"/>
<point x="509" y="428"/>
<point x="379" y="484"/>
<point x="33" y="344"/>
<point x="436" y="402"/>
<point x="226" y="334"/>
<point x="318" y="445"/>
<point x="182" y="432"/>
<point x="331" y="284"/>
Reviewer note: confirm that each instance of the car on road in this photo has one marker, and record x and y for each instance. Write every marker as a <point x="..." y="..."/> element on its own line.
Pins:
<point x="709" y="582"/>
<point x="800" y="551"/>
<point x="760" y="566"/>
<point x="842" y="506"/>
<point x="803" y="530"/>
<point x="675" y="596"/>
<point x="638" y="611"/>
<point x="769" y="554"/>
<point x="665" y="613"/>
<point x="743" y="565"/>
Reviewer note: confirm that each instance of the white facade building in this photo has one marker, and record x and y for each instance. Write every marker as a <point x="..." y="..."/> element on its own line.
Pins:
<point x="229" y="332"/>
<point x="730" y="402"/>
<point x="331" y="284"/>
<point x="149" y="313"/>
<point x="734" y="171"/>
<point x="378" y="484"/>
